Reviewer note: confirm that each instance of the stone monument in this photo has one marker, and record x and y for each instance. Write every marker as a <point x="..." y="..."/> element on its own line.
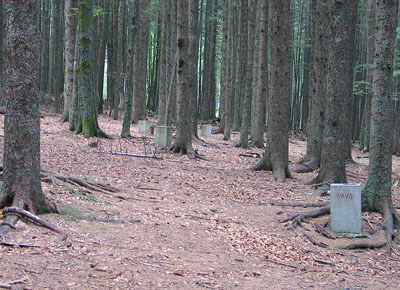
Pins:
<point x="345" y="208"/>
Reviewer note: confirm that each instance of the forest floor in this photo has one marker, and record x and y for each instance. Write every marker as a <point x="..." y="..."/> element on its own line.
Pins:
<point x="178" y="223"/>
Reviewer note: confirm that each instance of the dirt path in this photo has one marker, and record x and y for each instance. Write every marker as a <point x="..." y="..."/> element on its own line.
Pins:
<point x="182" y="224"/>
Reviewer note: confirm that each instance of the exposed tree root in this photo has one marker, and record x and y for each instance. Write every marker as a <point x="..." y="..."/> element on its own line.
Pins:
<point x="315" y="242"/>
<point x="57" y="179"/>
<point x="30" y="216"/>
<point x="299" y="218"/>
<point x="305" y="166"/>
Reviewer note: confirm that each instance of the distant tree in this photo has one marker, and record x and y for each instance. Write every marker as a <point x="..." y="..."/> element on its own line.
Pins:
<point x="377" y="194"/>
<point x="22" y="184"/>
<point x="228" y="71"/>
<point x="193" y="63"/>
<point x="258" y="113"/>
<point x="318" y="82"/>
<point x="140" y="61"/>
<point x="70" y="40"/>
<point x="87" y="123"/>
<point x="247" y="96"/>
<point x="276" y="155"/>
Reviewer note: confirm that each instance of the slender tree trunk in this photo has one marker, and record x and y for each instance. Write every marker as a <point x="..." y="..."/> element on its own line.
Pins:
<point x="183" y="143"/>
<point x="318" y="84"/>
<point x="276" y="157"/>
<point x="118" y="86"/>
<point x="70" y="38"/>
<point x="162" y="96"/>
<point x="228" y="72"/>
<point x="247" y="89"/>
<point x="45" y="40"/>
<point x="126" y="125"/>
<point x="140" y="60"/>
<point x="193" y="62"/>
<point x="259" y="113"/>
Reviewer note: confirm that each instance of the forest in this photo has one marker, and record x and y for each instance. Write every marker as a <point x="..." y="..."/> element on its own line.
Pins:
<point x="295" y="96"/>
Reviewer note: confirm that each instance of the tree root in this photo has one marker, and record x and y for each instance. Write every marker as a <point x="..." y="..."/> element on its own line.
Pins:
<point x="305" y="167"/>
<point x="12" y="214"/>
<point x="299" y="218"/>
<point x="314" y="242"/>
<point x="57" y="179"/>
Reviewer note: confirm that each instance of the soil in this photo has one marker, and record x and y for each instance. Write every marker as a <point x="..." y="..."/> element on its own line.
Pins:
<point x="178" y="223"/>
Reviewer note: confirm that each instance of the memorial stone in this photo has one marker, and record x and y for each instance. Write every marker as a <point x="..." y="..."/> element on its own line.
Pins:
<point x="163" y="136"/>
<point x="144" y="126"/>
<point x="345" y="208"/>
<point x="206" y="130"/>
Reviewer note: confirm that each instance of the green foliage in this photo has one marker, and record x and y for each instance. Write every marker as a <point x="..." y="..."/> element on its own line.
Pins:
<point x="361" y="88"/>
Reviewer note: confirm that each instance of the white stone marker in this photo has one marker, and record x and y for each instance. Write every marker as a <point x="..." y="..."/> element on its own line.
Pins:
<point x="206" y="130"/>
<point x="163" y="136"/>
<point x="144" y="126"/>
<point x="346" y="208"/>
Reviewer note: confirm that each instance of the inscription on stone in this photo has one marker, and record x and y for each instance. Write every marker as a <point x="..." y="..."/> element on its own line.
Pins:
<point x="346" y="208"/>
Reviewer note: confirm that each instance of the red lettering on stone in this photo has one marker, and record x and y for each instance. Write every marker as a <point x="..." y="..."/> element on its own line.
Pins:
<point x="345" y="196"/>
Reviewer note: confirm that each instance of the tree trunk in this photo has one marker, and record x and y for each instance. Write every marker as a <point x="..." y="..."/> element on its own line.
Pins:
<point x="377" y="195"/>
<point x="126" y="125"/>
<point x="228" y="72"/>
<point x="87" y="111"/>
<point x="162" y="96"/>
<point x="193" y="62"/>
<point x="22" y="184"/>
<point x="259" y="113"/>
<point x="44" y="58"/>
<point x="247" y="90"/>
<point x="366" y="120"/>
<point x="318" y="83"/>
<point x="340" y="75"/>
<point x="276" y="155"/>
<point x="70" y="39"/>
<point x="118" y="86"/>
<point x="183" y="143"/>
<point x="140" y="62"/>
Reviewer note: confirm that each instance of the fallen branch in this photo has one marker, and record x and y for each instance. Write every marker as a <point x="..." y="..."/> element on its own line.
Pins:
<point x="281" y="264"/>
<point x="305" y="205"/>
<point x="17" y="245"/>
<point x="250" y="154"/>
<point x="7" y="285"/>
<point x="365" y="246"/>
<point x="324" y="262"/>
<point x="212" y="219"/>
<point x="132" y="155"/>
<point x="314" y="242"/>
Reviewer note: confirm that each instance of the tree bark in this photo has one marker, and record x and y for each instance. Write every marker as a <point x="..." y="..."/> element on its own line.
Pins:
<point x="140" y="62"/>
<point x="260" y="106"/>
<point x="377" y="195"/>
<point x="22" y="183"/>
<point x="340" y="75"/>
<point x="276" y="155"/>
<point x="87" y="111"/>
<point x="183" y="143"/>
<point x="318" y="84"/>
<point x="70" y="39"/>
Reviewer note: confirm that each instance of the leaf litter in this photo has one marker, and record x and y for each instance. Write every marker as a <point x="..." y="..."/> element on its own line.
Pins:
<point x="177" y="223"/>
